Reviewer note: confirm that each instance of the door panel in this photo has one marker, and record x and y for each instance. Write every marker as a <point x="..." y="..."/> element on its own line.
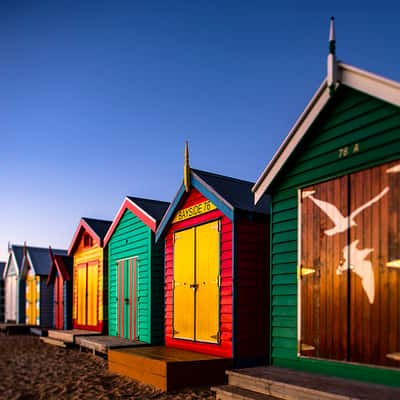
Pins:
<point x="11" y="312"/>
<point x="207" y="280"/>
<point x="374" y="279"/>
<point x="92" y="298"/>
<point x="31" y="299"/>
<point x="184" y="280"/>
<point x="82" y="281"/>
<point x="59" y="303"/>
<point x="324" y="293"/>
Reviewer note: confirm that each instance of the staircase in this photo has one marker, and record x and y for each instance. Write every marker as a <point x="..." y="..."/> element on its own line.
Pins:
<point x="272" y="383"/>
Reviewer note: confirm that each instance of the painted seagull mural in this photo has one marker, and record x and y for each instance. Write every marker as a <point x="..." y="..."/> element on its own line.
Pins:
<point x="360" y="266"/>
<point x="342" y="223"/>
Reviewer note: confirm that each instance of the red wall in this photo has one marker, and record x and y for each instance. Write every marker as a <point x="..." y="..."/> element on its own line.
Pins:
<point x="252" y="295"/>
<point x="224" y="349"/>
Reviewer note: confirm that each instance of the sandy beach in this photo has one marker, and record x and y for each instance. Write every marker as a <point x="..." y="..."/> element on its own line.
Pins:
<point x="30" y="369"/>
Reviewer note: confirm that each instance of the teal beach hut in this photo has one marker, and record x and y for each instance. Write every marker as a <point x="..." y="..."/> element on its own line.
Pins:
<point x="136" y="271"/>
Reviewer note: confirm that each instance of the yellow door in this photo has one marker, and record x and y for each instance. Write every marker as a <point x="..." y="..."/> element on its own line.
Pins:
<point x="184" y="284"/>
<point x="92" y="294"/>
<point x="207" y="280"/>
<point x="82" y="295"/>
<point x="31" y="297"/>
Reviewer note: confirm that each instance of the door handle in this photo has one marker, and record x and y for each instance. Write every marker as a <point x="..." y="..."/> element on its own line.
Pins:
<point x="194" y="286"/>
<point x="126" y="301"/>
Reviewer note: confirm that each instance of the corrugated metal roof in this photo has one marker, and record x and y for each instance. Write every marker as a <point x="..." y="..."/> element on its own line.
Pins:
<point x="236" y="192"/>
<point x="41" y="259"/>
<point x="154" y="208"/>
<point x="99" y="226"/>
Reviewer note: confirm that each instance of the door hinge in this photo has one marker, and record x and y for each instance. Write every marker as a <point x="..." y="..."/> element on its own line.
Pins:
<point x="174" y="332"/>
<point x="217" y="336"/>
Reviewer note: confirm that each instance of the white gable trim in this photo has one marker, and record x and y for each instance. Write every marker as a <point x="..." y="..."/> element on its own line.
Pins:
<point x="27" y="261"/>
<point x="363" y="81"/>
<point x="367" y="82"/>
<point x="12" y="258"/>
<point x="299" y="129"/>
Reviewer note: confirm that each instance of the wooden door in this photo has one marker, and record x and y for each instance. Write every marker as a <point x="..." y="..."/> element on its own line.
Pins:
<point x="82" y="294"/>
<point x="207" y="282"/>
<point x="374" y="261"/>
<point x="127" y="299"/>
<point x="31" y="300"/>
<point x="11" y="295"/>
<point x="323" y="286"/>
<point x="59" y="303"/>
<point x="184" y="281"/>
<point x="92" y="294"/>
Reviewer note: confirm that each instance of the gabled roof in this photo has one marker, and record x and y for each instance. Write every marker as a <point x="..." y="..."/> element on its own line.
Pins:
<point x="38" y="258"/>
<point x="228" y="194"/>
<point x="61" y="263"/>
<point x="150" y="212"/>
<point x="2" y="266"/>
<point x="355" y="78"/>
<point x="97" y="229"/>
<point x="16" y="252"/>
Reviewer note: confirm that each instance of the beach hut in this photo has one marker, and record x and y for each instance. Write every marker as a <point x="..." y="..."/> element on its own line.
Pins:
<point x="216" y="268"/>
<point x="335" y="190"/>
<point x="2" y="265"/>
<point x="35" y="269"/>
<point x="14" y="286"/>
<point x="136" y="271"/>
<point x="60" y="278"/>
<point x="90" y="262"/>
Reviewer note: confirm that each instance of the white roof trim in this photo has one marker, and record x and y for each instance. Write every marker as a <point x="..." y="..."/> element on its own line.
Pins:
<point x="367" y="82"/>
<point x="358" y="79"/>
<point x="302" y="124"/>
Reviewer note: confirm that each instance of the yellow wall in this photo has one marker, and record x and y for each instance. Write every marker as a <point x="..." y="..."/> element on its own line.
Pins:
<point x="84" y="255"/>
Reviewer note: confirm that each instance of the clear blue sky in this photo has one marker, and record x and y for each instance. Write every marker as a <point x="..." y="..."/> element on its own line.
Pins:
<point x="97" y="98"/>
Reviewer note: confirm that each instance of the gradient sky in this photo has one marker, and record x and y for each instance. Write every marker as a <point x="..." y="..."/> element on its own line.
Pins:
<point x="97" y="98"/>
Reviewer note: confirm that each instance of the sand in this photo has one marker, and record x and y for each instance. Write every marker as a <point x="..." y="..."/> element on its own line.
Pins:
<point x="30" y="369"/>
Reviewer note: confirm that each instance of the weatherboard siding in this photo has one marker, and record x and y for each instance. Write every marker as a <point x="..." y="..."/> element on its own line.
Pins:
<point x="131" y="238"/>
<point x="157" y="291"/>
<point x="350" y="118"/>
<point x="46" y="303"/>
<point x="252" y="281"/>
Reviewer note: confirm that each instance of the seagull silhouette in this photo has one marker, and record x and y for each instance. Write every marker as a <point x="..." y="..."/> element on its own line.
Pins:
<point x="360" y="266"/>
<point x="342" y="223"/>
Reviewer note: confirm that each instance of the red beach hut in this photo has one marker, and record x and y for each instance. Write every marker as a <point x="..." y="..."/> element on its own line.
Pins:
<point x="216" y="268"/>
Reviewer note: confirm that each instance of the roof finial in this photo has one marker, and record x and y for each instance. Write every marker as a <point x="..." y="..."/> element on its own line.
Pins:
<point x="331" y="64"/>
<point x="186" y="169"/>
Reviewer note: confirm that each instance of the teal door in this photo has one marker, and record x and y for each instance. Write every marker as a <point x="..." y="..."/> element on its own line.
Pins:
<point x="127" y="299"/>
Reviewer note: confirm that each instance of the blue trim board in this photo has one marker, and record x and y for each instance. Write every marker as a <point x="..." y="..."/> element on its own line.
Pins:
<point x="170" y="212"/>
<point x="213" y="197"/>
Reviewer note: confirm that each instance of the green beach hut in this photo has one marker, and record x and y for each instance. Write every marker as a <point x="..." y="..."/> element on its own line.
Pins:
<point x="335" y="190"/>
<point x="136" y="271"/>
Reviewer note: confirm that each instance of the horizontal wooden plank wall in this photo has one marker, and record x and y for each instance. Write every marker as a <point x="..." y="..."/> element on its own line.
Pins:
<point x="350" y="118"/>
<point x="252" y="296"/>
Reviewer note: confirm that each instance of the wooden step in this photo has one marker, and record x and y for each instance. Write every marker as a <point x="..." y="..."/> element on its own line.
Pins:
<point x="229" y="392"/>
<point x="53" y="342"/>
<point x="168" y="368"/>
<point x="297" y="385"/>
<point x="68" y="336"/>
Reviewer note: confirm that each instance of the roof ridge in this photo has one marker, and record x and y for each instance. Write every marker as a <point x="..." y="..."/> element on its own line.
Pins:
<point x="223" y="176"/>
<point x="97" y="219"/>
<point x="146" y="199"/>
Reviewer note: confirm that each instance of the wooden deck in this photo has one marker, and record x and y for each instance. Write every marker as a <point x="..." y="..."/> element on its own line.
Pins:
<point x="168" y="368"/>
<point x="279" y="383"/>
<point x="14" y="329"/>
<point x="69" y="336"/>
<point x="101" y="344"/>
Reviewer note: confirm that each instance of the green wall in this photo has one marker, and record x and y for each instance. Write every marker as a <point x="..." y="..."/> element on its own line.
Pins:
<point x="133" y="238"/>
<point x="350" y="117"/>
